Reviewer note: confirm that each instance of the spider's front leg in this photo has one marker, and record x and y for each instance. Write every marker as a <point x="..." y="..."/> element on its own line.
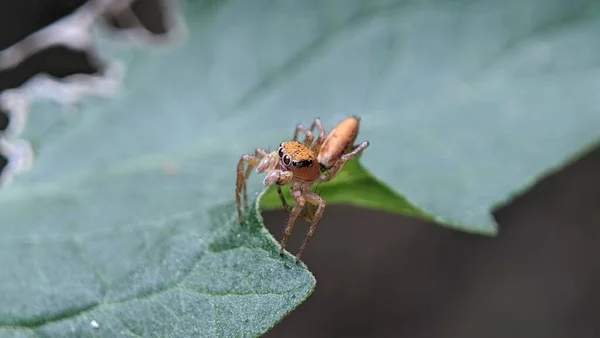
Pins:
<point x="339" y="165"/>
<point x="287" y="232"/>
<point x="260" y="159"/>
<point x="306" y="216"/>
<point x="317" y="200"/>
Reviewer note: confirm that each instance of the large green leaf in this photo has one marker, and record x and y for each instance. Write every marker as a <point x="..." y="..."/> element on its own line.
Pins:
<point x="191" y="274"/>
<point x="465" y="103"/>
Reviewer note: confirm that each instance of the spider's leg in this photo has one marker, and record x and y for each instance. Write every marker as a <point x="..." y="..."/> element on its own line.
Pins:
<point x="339" y="165"/>
<point x="248" y="161"/>
<point x="309" y="136"/>
<point x="286" y="206"/>
<point x="306" y="215"/>
<point x="300" y="201"/>
<point x="317" y="200"/>
<point x="260" y="154"/>
<point x="321" y="138"/>
<point x="245" y="186"/>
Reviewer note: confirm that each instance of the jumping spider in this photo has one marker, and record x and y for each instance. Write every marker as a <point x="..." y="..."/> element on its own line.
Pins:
<point x="302" y="164"/>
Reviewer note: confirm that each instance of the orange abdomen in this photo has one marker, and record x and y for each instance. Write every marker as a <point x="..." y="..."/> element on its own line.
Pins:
<point x="338" y="142"/>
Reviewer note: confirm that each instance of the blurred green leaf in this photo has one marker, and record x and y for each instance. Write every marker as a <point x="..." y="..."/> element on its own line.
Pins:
<point x="465" y="104"/>
<point x="352" y="186"/>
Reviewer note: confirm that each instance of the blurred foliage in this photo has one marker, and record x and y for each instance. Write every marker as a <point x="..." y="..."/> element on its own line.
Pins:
<point x="354" y="185"/>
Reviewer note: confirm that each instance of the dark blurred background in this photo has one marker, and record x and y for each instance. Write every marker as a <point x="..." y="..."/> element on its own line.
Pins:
<point x="384" y="275"/>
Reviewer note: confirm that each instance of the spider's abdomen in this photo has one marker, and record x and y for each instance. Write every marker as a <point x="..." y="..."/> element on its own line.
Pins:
<point x="338" y="142"/>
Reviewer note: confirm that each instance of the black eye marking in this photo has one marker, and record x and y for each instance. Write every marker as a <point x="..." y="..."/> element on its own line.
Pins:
<point x="305" y="163"/>
<point x="280" y="152"/>
<point x="287" y="159"/>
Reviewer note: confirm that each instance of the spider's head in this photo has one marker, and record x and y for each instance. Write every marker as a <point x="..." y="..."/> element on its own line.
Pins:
<point x="299" y="159"/>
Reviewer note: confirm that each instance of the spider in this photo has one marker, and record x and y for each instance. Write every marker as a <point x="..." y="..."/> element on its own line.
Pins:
<point x="301" y="164"/>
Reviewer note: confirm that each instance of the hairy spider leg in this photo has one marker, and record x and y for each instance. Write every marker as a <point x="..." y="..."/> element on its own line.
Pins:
<point x="286" y="206"/>
<point x="306" y="216"/>
<point x="339" y="165"/>
<point x="318" y="201"/>
<point x="287" y="232"/>
<point x="251" y="161"/>
<point x="309" y="136"/>
<point x="321" y="138"/>
<point x="245" y="186"/>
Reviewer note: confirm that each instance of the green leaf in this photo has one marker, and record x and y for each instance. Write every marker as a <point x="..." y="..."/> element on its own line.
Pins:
<point x="465" y="103"/>
<point x="194" y="273"/>
<point x="354" y="185"/>
<point x="140" y="241"/>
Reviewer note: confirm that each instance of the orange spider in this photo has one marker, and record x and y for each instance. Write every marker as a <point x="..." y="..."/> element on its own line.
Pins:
<point x="302" y="164"/>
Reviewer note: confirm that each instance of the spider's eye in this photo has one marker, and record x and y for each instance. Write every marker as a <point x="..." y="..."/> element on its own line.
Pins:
<point x="294" y="163"/>
<point x="280" y="152"/>
<point x="287" y="159"/>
